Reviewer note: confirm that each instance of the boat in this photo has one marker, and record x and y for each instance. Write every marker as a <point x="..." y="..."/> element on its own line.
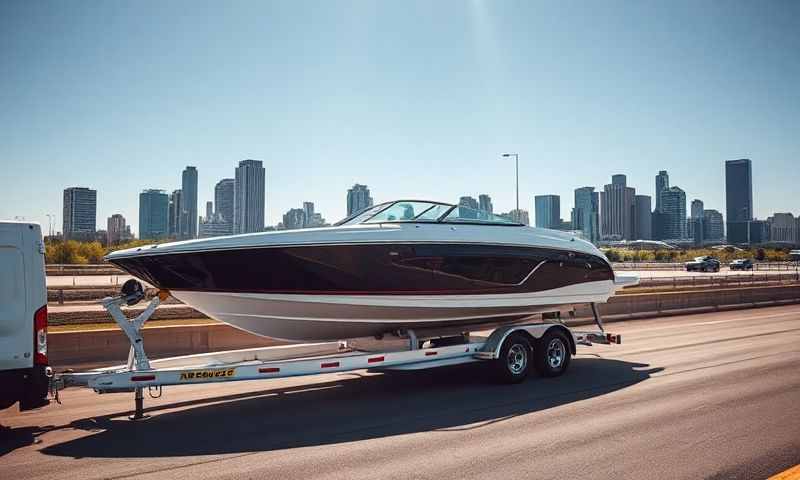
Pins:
<point x="398" y="266"/>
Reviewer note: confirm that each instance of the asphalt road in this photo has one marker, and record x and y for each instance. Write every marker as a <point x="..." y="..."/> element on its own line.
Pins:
<point x="701" y="396"/>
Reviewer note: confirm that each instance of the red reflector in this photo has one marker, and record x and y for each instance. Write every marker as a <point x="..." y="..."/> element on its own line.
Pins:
<point x="269" y="370"/>
<point x="428" y="354"/>
<point x="143" y="378"/>
<point x="375" y="359"/>
<point x="40" y="336"/>
<point x="329" y="365"/>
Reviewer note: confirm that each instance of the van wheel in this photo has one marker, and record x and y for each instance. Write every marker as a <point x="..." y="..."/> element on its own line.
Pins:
<point x="552" y="354"/>
<point x="515" y="358"/>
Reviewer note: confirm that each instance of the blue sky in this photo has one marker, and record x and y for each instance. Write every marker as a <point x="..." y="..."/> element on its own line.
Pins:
<point x="415" y="99"/>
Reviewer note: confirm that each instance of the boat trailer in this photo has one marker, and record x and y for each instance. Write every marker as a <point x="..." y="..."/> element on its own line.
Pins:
<point x="512" y="349"/>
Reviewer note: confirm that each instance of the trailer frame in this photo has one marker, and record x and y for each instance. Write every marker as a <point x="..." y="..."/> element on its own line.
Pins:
<point x="419" y="351"/>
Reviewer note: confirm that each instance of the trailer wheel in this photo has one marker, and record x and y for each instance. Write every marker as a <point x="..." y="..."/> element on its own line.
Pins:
<point x="552" y="354"/>
<point x="513" y="364"/>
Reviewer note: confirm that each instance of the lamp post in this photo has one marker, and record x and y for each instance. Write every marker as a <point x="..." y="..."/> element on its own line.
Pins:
<point x="516" y="162"/>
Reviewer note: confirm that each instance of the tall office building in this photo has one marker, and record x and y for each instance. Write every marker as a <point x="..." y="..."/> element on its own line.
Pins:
<point x="223" y="199"/>
<point x="188" y="217"/>
<point x="472" y="209"/>
<point x="519" y="216"/>
<point x="174" y="213"/>
<point x="783" y="228"/>
<point x="697" y="208"/>
<point x="713" y="225"/>
<point x="209" y="211"/>
<point x="116" y="229"/>
<point x="308" y="213"/>
<point x="616" y="210"/>
<point x="153" y="215"/>
<point x="738" y="199"/>
<point x="642" y="217"/>
<point x="586" y="214"/>
<point x="249" y="197"/>
<point x="673" y="208"/>
<point x="294" y="219"/>
<point x="662" y="183"/>
<point x="485" y="203"/>
<point x="547" y="210"/>
<point x="80" y="213"/>
<point x="358" y="198"/>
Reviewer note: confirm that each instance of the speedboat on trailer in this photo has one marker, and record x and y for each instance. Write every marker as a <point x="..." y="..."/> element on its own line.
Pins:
<point x="401" y="265"/>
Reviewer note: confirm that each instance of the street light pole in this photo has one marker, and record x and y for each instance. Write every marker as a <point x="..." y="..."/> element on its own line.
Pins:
<point x="516" y="163"/>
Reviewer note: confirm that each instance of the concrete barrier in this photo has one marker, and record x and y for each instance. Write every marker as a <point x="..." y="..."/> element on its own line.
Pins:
<point x="111" y="346"/>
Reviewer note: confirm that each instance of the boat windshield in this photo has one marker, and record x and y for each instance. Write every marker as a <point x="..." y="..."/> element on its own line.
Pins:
<point x="422" y="212"/>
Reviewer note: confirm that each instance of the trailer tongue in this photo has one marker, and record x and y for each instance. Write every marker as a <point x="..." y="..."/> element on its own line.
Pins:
<point x="511" y="349"/>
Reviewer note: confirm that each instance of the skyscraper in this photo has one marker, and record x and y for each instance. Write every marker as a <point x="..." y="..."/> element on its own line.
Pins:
<point x="294" y="219"/>
<point x="697" y="208"/>
<point x="547" y="210"/>
<point x="713" y="225"/>
<point x="738" y="199"/>
<point x="188" y="218"/>
<point x="116" y="229"/>
<point x="174" y="214"/>
<point x="642" y="217"/>
<point x="249" y="197"/>
<point x="223" y="199"/>
<point x="673" y="207"/>
<point x="616" y="210"/>
<point x="586" y="214"/>
<point x="485" y="203"/>
<point x="80" y="213"/>
<point x="358" y="198"/>
<point x="308" y="213"/>
<point x="472" y="209"/>
<point x="662" y="183"/>
<point x="153" y="214"/>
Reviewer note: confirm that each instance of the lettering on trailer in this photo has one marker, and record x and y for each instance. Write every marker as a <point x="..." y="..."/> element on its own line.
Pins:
<point x="206" y="374"/>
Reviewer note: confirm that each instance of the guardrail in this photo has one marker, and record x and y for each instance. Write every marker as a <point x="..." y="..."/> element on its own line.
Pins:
<point x="739" y="280"/>
<point x="682" y="266"/>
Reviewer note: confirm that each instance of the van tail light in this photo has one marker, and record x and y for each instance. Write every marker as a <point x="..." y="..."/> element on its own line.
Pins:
<point x="40" y="336"/>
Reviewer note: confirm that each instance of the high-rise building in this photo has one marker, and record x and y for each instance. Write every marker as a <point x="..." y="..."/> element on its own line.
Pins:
<point x="249" y="197"/>
<point x="519" y="216"/>
<point x="470" y="202"/>
<point x="209" y="211"/>
<point x="223" y="199"/>
<point x="547" y="211"/>
<point x="188" y="217"/>
<point x="472" y="209"/>
<point x="308" y="213"/>
<point x="616" y="210"/>
<point x="586" y="214"/>
<point x="694" y="226"/>
<point x="116" y="229"/>
<point x="673" y="207"/>
<point x="174" y="214"/>
<point x="697" y="208"/>
<point x="80" y="213"/>
<point x="358" y="198"/>
<point x="713" y="226"/>
<point x="783" y="228"/>
<point x="485" y="203"/>
<point x="294" y="219"/>
<point x="153" y="215"/>
<point x="738" y="199"/>
<point x="642" y="218"/>
<point x="662" y="183"/>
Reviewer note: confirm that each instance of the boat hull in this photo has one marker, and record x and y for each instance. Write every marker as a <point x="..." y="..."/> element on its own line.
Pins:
<point x="297" y="317"/>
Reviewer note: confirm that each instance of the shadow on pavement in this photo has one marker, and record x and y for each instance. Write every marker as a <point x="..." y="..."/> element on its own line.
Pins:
<point x="343" y="410"/>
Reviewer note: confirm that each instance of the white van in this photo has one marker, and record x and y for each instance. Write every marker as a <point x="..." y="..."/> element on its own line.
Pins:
<point x="24" y="370"/>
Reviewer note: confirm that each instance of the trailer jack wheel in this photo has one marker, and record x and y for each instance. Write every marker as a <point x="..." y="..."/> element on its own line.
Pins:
<point x="513" y="364"/>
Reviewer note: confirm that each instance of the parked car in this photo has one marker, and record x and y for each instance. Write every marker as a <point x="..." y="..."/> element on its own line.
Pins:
<point x="741" y="264"/>
<point x="703" y="264"/>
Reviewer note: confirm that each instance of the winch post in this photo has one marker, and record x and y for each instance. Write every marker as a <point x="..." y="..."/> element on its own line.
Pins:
<point x="137" y="358"/>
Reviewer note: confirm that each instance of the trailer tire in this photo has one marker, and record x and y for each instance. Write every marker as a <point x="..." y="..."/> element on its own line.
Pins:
<point x="513" y="364"/>
<point x="551" y="355"/>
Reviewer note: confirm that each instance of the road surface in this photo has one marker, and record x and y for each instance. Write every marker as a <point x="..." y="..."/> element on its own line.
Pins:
<point x="700" y="396"/>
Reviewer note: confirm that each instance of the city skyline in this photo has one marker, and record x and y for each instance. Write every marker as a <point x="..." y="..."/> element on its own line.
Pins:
<point x="511" y="77"/>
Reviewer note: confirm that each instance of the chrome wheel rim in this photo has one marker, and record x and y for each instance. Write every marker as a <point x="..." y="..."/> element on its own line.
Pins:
<point x="556" y="352"/>
<point x="517" y="359"/>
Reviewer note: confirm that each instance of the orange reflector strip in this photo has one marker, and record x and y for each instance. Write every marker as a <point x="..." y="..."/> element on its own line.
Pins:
<point x="329" y="365"/>
<point x="375" y="359"/>
<point x="791" y="474"/>
<point x="428" y="354"/>
<point x="143" y="378"/>
<point x="269" y="370"/>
